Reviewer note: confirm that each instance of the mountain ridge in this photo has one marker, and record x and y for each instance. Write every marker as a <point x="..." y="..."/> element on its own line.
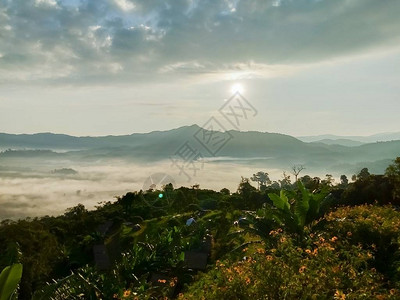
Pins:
<point x="64" y="141"/>
<point x="378" y="137"/>
<point x="323" y="138"/>
<point x="279" y="149"/>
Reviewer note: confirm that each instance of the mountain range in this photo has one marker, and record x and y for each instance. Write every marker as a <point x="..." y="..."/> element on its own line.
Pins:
<point x="351" y="140"/>
<point x="334" y="152"/>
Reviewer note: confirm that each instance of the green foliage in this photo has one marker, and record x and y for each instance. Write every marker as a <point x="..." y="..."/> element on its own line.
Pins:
<point x="374" y="188"/>
<point x="324" y="268"/>
<point x="292" y="250"/>
<point x="225" y="191"/>
<point x="9" y="280"/>
<point x="259" y="224"/>
<point x="159" y="253"/>
<point x="262" y="179"/>
<point x="364" y="173"/>
<point x="301" y="211"/>
<point x="375" y="228"/>
<point x="71" y="287"/>
<point x="393" y="173"/>
<point x="281" y="202"/>
<point x="303" y="204"/>
<point x="394" y="168"/>
<point x="245" y="188"/>
<point x="40" y="252"/>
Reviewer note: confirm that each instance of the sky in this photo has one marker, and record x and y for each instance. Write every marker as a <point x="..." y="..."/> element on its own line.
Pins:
<point x="111" y="67"/>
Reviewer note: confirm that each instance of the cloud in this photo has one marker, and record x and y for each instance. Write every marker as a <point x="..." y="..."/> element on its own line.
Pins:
<point x="97" y="41"/>
<point x="185" y="67"/>
<point x="125" y="5"/>
<point x="48" y="3"/>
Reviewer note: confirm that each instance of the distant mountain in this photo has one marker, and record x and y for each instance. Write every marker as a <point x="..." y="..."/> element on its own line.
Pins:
<point x="342" y="142"/>
<point x="66" y="142"/>
<point x="53" y="141"/>
<point x="329" y="138"/>
<point x="29" y="153"/>
<point x="255" y="148"/>
<point x="159" y="143"/>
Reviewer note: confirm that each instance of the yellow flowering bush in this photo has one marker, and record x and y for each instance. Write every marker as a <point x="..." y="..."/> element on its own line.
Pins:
<point x="375" y="228"/>
<point x="329" y="264"/>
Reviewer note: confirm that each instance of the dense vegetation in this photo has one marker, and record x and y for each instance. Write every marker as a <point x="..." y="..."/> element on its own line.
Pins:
<point x="307" y="239"/>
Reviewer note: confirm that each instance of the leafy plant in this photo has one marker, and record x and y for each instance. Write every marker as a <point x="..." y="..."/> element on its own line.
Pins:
<point x="9" y="280"/>
<point x="69" y="287"/>
<point x="374" y="228"/>
<point x="325" y="267"/>
<point x="304" y="208"/>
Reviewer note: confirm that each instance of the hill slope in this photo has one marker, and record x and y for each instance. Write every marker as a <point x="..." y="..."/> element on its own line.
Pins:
<point x="279" y="149"/>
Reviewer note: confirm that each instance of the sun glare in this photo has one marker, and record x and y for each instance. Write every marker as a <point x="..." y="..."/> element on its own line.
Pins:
<point x="237" y="88"/>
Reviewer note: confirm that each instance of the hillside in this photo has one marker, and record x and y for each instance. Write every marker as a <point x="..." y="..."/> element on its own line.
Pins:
<point x="280" y="150"/>
<point x="342" y="142"/>
<point x="339" y="139"/>
<point x="285" y="240"/>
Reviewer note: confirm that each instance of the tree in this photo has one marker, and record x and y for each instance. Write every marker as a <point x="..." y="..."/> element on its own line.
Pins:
<point x="344" y="181"/>
<point x="168" y="190"/>
<point x="296" y="169"/>
<point x="127" y="201"/>
<point x="262" y="179"/>
<point x="285" y="182"/>
<point x="168" y="187"/>
<point x="364" y="174"/>
<point x="245" y="189"/>
<point x="393" y="174"/>
<point x="393" y="170"/>
<point x="77" y="211"/>
<point x="195" y="186"/>
<point x="275" y="185"/>
<point x="375" y="188"/>
<point x="328" y="181"/>
<point x="39" y="251"/>
<point x="225" y="191"/>
<point x="310" y="183"/>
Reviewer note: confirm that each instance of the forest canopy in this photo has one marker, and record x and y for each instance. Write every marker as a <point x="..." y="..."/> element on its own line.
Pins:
<point x="279" y="239"/>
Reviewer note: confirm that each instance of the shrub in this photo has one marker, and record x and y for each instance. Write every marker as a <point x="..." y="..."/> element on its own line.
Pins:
<point x="326" y="268"/>
<point x="375" y="228"/>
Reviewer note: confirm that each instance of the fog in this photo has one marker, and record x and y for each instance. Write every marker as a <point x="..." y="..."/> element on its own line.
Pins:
<point x="24" y="192"/>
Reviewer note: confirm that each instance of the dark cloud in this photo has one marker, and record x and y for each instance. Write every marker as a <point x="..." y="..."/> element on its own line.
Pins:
<point x="98" y="40"/>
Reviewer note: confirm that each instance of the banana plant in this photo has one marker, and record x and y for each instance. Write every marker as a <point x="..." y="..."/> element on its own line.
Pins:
<point x="259" y="224"/>
<point x="296" y="214"/>
<point x="9" y="280"/>
<point x="292" y="210"/>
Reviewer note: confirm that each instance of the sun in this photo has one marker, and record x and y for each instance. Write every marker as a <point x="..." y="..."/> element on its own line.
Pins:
<point x="237" y="88"/>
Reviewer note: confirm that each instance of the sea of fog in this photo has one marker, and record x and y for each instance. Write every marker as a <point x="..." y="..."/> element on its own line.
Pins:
<point x="35" y="190"/>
